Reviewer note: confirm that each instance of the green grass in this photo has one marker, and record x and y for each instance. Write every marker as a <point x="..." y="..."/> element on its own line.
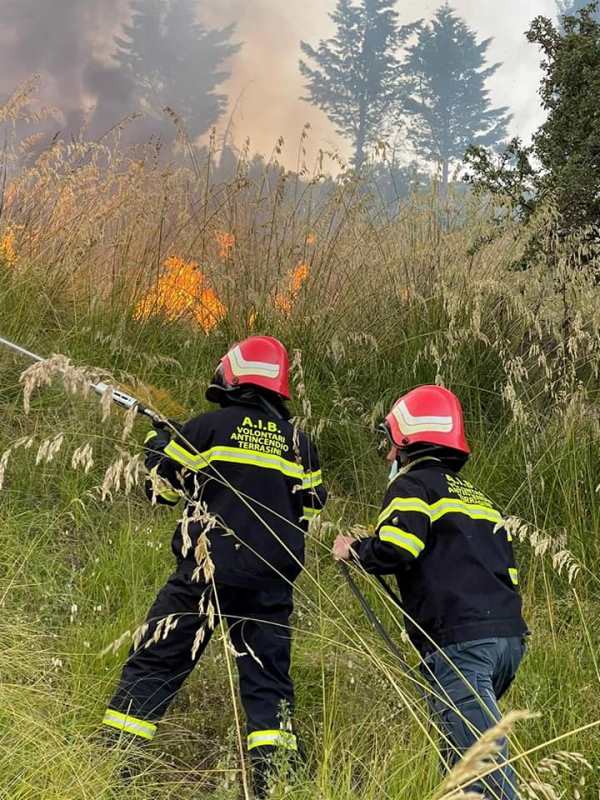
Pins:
<point x="77" y="572"/>
<point x="387" y="307"/>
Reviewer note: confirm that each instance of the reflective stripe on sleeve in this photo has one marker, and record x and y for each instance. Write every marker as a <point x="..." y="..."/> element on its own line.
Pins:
<point x="514" y="576"/>
<point x="311" y="480"/>
<point x="169" y="495"/>
<point x="310" y="513"/>
<point x="404" y="504"/>
<point x="400" y="538"/>
<point x="272" y="739"/>
<point x="150" y="435"/>
<point x="182" y="456"/>
<point x="129" y="724"/>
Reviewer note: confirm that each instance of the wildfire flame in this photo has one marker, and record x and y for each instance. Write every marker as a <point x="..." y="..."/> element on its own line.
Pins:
<point x="7" y="248"/>
<point x="226" y="242"/>
<point x="285" y="301"/>
<point x="182" y="290"/>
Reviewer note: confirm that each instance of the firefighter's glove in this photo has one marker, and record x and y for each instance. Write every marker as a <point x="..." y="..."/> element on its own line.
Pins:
<point x="156" y="441"/>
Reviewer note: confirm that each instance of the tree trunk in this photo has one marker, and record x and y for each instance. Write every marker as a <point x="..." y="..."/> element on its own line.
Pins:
<point x="359" y="145"/>
<point x="445" y="177"/>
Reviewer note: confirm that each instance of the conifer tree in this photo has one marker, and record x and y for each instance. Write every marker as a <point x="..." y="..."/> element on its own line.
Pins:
<point x="176" y="62"/>
<point x="355" y="76"/>
<point x="449" y="107"/>
<point x="569" y="8"/>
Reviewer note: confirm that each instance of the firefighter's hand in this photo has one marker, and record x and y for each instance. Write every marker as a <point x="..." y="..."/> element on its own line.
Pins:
<point x="342" y="547"/>
<point x="156" y="440"/>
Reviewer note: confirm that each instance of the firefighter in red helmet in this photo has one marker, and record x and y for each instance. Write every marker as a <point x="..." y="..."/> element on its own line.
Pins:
<point x="453" y="560"/>
<point x="250" y="484"/>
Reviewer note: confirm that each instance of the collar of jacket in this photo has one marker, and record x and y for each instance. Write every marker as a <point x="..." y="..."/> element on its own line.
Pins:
<point x="420" y="463"/>
<point x="251" y="400"/>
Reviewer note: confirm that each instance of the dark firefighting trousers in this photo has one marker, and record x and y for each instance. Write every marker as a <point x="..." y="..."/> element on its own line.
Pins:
<point x="467" y="680"/>
<point x="258" y="623"/>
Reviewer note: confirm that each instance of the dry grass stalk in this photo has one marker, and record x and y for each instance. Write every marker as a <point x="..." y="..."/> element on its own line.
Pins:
<point x="163" y="628"/>
<point x="49" y="448"/>
<point x="76" y="380"/>
<point x="3" y="464"/>
<point x="124" y="472"/>
<point x="117" y="644"/>
<point x="106" y="402"/>
<point x="139" y="635"/>
<point x="83" y="457"/>
<point x="481" y="757"/>
<point x="542" y="543"/>
<point x="128" y="423"/>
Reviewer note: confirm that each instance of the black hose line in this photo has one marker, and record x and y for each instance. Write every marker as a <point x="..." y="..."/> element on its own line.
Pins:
<point x="372" y="616"/>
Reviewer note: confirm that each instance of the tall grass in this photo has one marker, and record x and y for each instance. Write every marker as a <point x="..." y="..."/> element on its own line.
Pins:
<point x="389" y="301"/>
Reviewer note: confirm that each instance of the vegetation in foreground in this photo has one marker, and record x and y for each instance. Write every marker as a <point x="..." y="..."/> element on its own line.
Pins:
<point x="96" y="257"/>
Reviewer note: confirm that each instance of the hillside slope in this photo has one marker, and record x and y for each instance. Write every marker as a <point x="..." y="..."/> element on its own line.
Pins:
<point x="373" y="307"/>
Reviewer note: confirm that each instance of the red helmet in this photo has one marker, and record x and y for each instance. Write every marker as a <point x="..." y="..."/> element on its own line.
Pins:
<point x="428" y="415"/>
<point x="257" y="361"/>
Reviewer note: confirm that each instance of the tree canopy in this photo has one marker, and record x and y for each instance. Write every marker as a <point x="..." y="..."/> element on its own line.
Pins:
<point x="355" y="76"/>
<point x="176" y="62"/>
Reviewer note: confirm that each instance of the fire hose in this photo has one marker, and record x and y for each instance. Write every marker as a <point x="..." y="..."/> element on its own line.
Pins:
<point x="119" y="397"/>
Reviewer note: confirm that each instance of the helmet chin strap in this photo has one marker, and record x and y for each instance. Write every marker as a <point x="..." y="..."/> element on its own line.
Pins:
<point x="397" y="471"/>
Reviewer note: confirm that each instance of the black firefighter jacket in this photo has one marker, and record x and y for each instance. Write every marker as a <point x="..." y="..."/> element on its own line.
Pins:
<point x="452" y="557"/>
<point x="251" y="481"/>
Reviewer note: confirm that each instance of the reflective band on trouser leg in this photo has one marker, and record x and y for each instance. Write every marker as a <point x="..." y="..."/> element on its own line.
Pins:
<point x="129" y="724"/>
<point x="272" y="739"/>
<point x="514" y="576"/>
<point x="403" y="539"/>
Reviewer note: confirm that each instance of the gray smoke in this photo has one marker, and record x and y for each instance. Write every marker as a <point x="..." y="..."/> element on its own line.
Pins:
<point x="68" y="43"/>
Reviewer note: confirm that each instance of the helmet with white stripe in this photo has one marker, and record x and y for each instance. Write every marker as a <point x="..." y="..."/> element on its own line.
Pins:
<point x="427" y="415"/>
<point x="259" y="361"/>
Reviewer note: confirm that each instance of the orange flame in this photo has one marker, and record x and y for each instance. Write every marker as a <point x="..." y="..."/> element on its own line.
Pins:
<point x="9" y="195"/>
<point x="182" y="290"/>
<point x="285" y="301"/>
<point x="7" y="248"/>
<point x="226" y="242"/>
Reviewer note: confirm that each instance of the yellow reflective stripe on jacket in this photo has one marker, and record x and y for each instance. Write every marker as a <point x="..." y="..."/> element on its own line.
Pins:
<point x="514" y="576"/>
<point x="311" y="480"/>
<point x="448" y="505"/>
<point x="182" y="456"/>
<point x="272" y="739"/>
<point x="404" y="504"/>
<point x="439" y="509"/>
<point x="233" y="455"/>
<point x="129" y="724"/>
<point x="403" y="539"/>
<point x="310" y="513"/>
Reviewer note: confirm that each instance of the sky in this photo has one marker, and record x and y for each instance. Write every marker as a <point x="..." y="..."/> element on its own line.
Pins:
<point x="69" y="42"/>
<point x="265" y="73"/>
